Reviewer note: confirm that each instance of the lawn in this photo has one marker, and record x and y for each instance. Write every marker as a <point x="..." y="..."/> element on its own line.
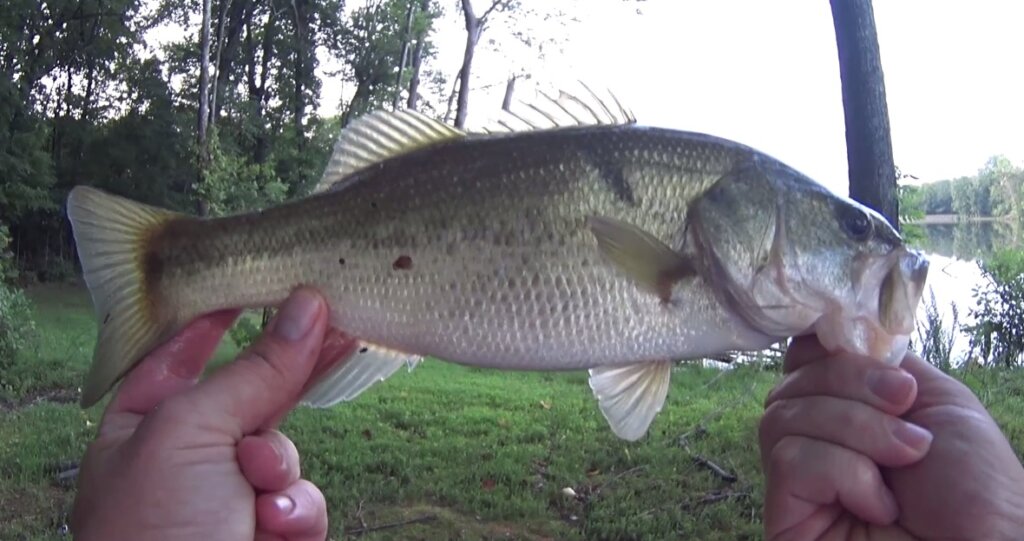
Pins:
<point x="459" y="453"/>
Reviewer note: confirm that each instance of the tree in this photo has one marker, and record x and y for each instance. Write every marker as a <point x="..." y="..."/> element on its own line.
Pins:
<point x="474" y="29"/>
<point x="418" y="53"/>
<point x="1005" y="182"/>
<point x="868" y="142"/>
<point x="964" y="200"/>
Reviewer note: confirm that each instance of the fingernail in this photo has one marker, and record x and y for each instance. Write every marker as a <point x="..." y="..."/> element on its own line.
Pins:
<point x="284" y="504"/>
<point x="296" y="316"/>
<point x="913" y="436"/>
<point x="892" y="386"/>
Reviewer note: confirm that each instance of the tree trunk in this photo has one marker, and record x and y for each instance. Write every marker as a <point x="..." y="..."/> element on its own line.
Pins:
<point x="417" y="63"/>
<point x="510" y="87"/>
<point x="217" y="64"/>
<point x="868" y="142"/>
<point x="300" y="70"/>
<point x="204" y="76"/>
<point x="204" y="104"/>
<point x="404" y="60"/>
<point x="239" y="16"/>
<point x="472" y="38"/>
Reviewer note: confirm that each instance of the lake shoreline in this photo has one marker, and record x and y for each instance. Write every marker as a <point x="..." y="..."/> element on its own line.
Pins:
<point x="945" y="219"/>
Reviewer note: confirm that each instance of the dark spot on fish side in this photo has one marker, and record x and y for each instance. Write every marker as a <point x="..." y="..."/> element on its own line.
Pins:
<point x="341" y="260"/>
<point x="363" y="350"/>
<point x="373" y="205"/>
<point x="403" y="262"/>
<point x="614" y="176"/>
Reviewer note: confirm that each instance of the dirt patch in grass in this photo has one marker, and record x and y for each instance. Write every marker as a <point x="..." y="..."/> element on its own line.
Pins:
<point x="430" y="522"/>
<point x="56" y="396"/>
<point x="35" y="512"/>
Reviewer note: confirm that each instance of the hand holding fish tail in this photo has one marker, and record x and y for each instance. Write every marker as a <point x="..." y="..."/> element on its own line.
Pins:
<point x="176" y="458"/>
<point x="855" y="450"/>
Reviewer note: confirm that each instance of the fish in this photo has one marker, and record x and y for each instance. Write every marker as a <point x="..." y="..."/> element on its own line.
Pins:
<point x="578" y="239"/>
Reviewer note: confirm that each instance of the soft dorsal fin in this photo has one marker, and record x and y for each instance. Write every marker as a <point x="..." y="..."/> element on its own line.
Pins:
<point x="568" y="109"/>
<point x="378" y="136"/>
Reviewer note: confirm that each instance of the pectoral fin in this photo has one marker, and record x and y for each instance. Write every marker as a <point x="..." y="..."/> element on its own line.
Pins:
<point x="639" y="254"/>
<point x="630" y="396"/>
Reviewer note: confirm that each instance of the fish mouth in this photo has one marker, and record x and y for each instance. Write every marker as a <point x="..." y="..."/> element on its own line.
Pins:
<point x="901" y="291"/>
<point x="880" y="322"/>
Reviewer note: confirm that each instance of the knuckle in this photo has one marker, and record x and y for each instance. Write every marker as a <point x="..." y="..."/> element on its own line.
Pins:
<point x="786" y="454"/>
<point x="862" y="472"/>
<point x="260" y="359"/>
<point x="779" y="419"/>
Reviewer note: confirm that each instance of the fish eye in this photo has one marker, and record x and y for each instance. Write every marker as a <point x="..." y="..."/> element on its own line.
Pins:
<point x="855" y="222"/>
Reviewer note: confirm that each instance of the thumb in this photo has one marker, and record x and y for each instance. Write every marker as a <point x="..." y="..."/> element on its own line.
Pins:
<point x="269" y="376"/>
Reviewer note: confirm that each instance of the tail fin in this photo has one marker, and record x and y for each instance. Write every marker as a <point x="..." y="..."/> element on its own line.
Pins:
<point x="111" y="234"/>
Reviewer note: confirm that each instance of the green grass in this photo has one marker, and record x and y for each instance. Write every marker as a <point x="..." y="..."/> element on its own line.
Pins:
<point x="486" y="453"/>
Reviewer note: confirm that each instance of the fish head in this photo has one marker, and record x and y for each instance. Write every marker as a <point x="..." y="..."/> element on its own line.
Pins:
<point x="789" y="257"/>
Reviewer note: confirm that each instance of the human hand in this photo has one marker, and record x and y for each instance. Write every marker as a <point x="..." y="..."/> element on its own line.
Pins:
<point x="855" y="450"/>
<point x="177" y="459"/>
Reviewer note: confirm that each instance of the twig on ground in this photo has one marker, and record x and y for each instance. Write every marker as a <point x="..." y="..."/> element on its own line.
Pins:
<point x="715" y="468"/>
<point x="625" y="473"/>
<point x="714" y="497"/>
<point x="417" y="520"/>
<point x="359" y="514"/>
<point x="67" y="476"/>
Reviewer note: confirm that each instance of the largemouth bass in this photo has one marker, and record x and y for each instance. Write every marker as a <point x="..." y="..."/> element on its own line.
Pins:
<point x="596" y="244"/>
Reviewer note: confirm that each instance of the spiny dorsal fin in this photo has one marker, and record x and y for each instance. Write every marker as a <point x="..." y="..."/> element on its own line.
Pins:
<point x="569" y="109"/>
<point x="378" y="136"/>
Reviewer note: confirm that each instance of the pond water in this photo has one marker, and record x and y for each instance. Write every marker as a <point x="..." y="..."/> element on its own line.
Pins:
<point x="955" y="249"/>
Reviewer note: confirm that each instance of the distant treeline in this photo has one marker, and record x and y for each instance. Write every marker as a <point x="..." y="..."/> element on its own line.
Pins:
<point x="996" y="191"/>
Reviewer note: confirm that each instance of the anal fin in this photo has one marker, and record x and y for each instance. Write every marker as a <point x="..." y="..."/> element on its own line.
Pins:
<point x="630" y="396"/>
<point x="368" y="365"/>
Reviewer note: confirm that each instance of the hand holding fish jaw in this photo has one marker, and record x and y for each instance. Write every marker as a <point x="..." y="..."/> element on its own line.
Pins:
<point x="179" y="459"/>
<point x="855" y="450"/>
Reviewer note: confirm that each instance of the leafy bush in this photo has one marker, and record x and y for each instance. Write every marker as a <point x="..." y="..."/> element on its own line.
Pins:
<point x="997" y="334"/>
<point x="231" y="184"/>
<point x="911" y="210"/>
<point x="17" y="327"/>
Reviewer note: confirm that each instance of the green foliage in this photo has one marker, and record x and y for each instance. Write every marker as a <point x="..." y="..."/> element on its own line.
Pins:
<point x="25" y="165"/>
<point x="231" y="184"/>
<point x="997" y="333"/>
<point x="997" y="190"/>
<point x="935" y="338"/>
<point x="17" y="328"/>
<point x="911" y="210"/>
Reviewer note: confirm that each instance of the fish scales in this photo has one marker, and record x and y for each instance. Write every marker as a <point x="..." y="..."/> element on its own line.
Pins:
<point x="503" y="270"/>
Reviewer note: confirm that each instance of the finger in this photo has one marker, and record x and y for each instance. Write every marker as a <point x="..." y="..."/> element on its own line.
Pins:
<point x="337" y="348"/>
<point x="245" y="394"/>
<point x="803" y="350"/>
<point x="174" y="366"/>
<point x="936" y="388"/>
<point x="805" y="477"/>
<point x="855" y="378"/>
<point x="269" y="460"/>
<point x="298" y="513"/>
<point x="885" y="439"/>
